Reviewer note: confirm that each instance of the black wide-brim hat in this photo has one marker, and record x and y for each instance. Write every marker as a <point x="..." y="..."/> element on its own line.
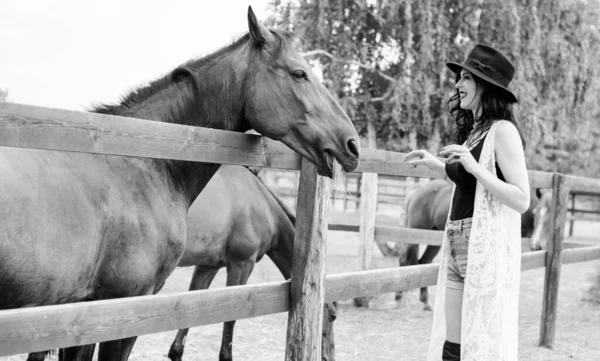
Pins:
<point x="489" y="65"/>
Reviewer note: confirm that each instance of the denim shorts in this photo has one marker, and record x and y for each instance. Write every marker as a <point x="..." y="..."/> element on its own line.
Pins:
<point x="458" y="233"/>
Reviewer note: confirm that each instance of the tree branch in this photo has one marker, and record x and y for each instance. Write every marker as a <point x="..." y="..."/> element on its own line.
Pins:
<point x="321" y="52"/>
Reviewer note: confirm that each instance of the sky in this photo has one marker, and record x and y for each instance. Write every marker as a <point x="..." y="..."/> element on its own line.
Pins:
<point x="72" y="54"/>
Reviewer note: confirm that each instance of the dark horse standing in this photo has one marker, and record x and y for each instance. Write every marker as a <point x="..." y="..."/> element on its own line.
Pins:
<point x="428" y="207"/>
<point x="80" y="227"/>
<point x="233" y="223"/>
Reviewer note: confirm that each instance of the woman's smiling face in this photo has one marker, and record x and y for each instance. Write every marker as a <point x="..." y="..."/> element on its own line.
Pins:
<point x="469" y="92"/>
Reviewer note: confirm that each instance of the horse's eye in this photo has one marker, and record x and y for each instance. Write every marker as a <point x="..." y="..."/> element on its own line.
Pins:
<point x="299" y="75"/>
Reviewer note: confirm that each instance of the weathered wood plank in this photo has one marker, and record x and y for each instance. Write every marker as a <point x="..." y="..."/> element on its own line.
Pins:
<point x="581" y="254"/>
<point x="408" y="235"/>
<point x="28" y="126"/>
<point x="49" y="327"/>
<point x="368" y="214"/>
<point x="588" y="186"/>
<point x="560" y="198"/>
<point x="539" y="179"/>
<point x="343" y="286"/>
<point x="308" y="267"/>
<point x="67" y="130"/>
<point x="532" y="260"/>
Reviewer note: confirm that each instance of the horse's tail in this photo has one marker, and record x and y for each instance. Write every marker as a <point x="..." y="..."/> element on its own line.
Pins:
<point x="288" y="212"/>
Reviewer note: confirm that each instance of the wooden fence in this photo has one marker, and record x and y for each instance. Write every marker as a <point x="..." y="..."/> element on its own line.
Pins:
<point x="49" y="327"/>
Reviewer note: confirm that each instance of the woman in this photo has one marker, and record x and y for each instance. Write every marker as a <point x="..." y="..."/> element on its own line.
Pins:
<point x="476" y="307"/>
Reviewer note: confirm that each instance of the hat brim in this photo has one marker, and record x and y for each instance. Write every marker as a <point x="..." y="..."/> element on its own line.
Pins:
<point x="457" y="67"/>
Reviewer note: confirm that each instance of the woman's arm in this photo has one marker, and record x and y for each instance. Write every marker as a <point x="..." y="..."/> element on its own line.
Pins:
<point x="511" y="159"/>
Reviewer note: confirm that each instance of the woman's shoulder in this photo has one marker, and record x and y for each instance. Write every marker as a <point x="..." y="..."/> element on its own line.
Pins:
<point x="506" y="132"/>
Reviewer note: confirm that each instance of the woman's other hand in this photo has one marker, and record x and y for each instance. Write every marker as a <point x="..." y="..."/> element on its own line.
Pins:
<point x="462" y="154"/>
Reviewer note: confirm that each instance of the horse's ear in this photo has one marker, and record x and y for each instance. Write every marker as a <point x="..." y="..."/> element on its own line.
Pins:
<point x="257" y="30"/>
<point x="181" y="73"/>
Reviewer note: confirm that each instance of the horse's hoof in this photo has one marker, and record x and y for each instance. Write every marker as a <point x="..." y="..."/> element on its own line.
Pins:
<point x="175" y="355"/>
<point x="427" y="307"/>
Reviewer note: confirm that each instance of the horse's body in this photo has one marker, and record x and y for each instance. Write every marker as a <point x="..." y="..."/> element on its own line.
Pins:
<point x="428" y="207"/>
<point x="234" y="222"/>
<point x="79" y="227"/>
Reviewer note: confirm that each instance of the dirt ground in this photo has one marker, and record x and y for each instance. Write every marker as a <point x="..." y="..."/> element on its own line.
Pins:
<point x="390" y="331"/>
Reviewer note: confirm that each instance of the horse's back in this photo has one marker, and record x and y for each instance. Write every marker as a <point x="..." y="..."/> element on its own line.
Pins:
<point x="231" y="214"/>
<point x="428" y="206"/>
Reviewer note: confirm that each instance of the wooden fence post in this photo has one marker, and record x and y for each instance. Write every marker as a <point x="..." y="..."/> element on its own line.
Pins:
<point x="368" y="214"/>
<point x="560" y="201"/>
<point x="307" y="293"/>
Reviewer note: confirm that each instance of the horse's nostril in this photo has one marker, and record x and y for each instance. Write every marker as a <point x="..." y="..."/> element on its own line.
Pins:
<point x="353" y="147"/>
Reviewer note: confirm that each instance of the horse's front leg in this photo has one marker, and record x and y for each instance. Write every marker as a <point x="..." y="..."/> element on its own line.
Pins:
<point x="238" y="273"/>
<point x="201" y="280"/>
<point x="427" y="258"/>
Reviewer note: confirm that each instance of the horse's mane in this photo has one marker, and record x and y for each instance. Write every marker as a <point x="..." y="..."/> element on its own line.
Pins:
<point x="136" y="96"/>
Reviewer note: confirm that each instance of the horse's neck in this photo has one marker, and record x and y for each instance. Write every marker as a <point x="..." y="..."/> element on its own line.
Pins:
<point x="214" y="102"/>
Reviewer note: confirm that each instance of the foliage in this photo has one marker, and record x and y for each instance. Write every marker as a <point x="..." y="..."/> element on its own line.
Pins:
<point x="385" y="60"/>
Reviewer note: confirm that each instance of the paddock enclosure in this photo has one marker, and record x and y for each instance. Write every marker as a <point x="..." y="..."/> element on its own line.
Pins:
<point x="49" y="327"/>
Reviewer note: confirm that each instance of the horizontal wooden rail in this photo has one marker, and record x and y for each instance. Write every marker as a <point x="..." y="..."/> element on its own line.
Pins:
<point x="344" y="286"/>
<point x="583" y="211"/>
<point x="28" y="126"/>
<point x="532" y="260"/>
<point x="539" y="179"/>
<point x="49" y="327"/>
<point x="67" y="130"/>
<point x="588" y="186"/>
<point x="401" y="234"/>
<point x="581" y="254"/>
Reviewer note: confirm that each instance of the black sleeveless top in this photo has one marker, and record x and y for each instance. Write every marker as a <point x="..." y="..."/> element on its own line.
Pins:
<point x="463" y="201"/>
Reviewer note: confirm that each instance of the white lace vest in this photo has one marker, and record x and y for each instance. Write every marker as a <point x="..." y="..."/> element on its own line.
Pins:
<point x="491" y="294"/>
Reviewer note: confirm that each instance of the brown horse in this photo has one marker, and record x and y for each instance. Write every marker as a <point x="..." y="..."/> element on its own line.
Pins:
<point x="80" y="227"/>
<point x="428" y="207"/>
<point x="233" y="223"/>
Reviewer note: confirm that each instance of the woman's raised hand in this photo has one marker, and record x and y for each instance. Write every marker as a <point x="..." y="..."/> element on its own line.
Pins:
<point x="421" y="157"/>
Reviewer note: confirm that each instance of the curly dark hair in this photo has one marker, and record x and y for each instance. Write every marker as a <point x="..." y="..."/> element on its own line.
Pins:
<point x="494" y="105"/>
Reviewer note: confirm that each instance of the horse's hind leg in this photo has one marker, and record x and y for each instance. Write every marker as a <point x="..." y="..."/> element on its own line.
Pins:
<point x="237" y="274"/>
<point x="202" y="278"/>
<point x="427" y="258"/>
<point x="78" y="353"/>
<point x="408" y="258"/>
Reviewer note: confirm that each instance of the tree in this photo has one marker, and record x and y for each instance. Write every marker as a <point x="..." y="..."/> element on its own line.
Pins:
<point x="385" y="61"/>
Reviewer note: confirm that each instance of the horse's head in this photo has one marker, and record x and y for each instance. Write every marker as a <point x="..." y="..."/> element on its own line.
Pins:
<point x="327" y="342"/>
<point x="284" y="100"/>
<point x="541" y="209"/>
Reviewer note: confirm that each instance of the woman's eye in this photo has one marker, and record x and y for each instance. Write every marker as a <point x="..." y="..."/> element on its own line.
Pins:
<point x="299" y="74"/>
